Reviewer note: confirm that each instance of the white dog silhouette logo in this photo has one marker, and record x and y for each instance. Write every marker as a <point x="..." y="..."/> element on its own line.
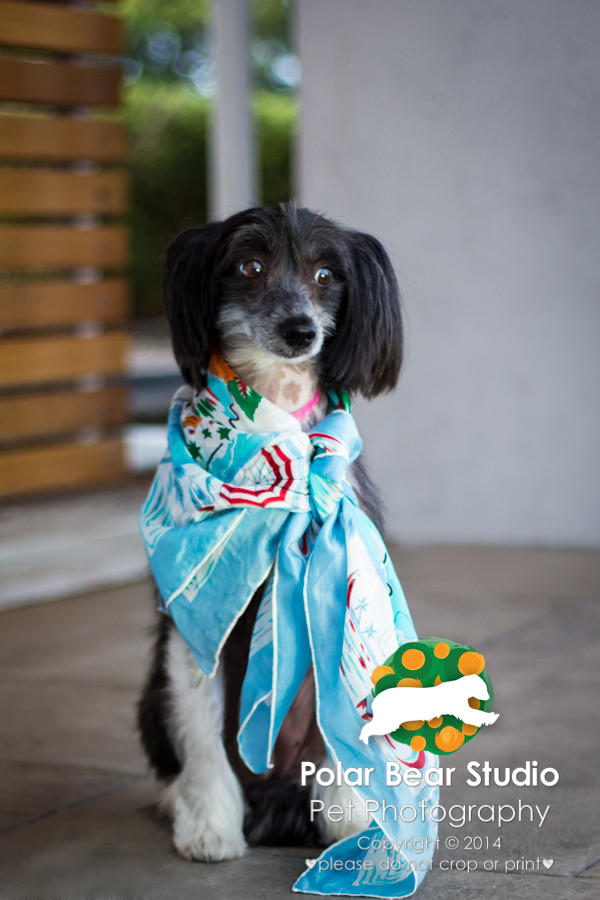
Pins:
<point x="394" y="706"/>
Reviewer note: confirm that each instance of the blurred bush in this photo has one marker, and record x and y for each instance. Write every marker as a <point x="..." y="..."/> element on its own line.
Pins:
<point x="168" y="174"/>
<point x="171" y="81"/>
<point x="275" y="117"/>
<point x="168" y="141"/>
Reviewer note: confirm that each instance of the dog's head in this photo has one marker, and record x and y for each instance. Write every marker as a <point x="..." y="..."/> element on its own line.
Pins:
<point x="475" y="686"/>
<point x="288" y="285"/>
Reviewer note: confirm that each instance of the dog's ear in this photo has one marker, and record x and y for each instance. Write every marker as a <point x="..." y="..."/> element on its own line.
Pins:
<point x="366" y="353"/>
<point x="189" y="301"/>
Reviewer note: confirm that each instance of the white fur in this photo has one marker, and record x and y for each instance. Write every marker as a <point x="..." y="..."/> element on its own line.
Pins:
<point x="248" y="349"/>
<point x="206" y="799"/>
<point x="408" y="704"/>
<point x="269" y="375"/>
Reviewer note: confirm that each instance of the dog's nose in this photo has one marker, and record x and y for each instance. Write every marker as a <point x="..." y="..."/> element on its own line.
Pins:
<point x="298" y="332"/>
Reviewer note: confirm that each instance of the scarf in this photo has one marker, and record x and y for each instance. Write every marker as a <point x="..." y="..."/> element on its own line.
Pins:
<point x="243" y="496"/>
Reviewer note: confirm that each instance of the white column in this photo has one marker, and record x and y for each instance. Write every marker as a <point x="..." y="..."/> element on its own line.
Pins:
<point x="466" y="137"/>
<point x="232" y="160"/>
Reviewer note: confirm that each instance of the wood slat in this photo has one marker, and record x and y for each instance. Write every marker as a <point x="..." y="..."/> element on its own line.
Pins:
<point x="26" y="361"/>
<point x="61" y="466"/>
<point x="45" y="247"/>
<point x="59" y="83"/>
<point x="61" y="138"/>
<point x="39" y="192"/>
<point x="43" y="304"/>
<point x="58" y="412"/>
<point x="45" y="26"/>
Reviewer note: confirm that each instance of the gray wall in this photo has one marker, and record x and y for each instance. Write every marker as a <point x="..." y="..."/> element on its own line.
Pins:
<point x="466" y="136"/>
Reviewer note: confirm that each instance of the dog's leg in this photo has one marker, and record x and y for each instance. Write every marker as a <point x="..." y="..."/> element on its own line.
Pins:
<point x="205" y="799"/>
<point x="477" y="717"/>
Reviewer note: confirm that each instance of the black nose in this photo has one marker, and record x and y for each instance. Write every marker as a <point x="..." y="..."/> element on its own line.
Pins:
<point x="298" y="332"/>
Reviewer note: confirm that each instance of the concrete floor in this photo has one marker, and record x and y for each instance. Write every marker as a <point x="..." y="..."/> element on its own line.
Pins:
<point x="56" y="546"/>
<point x="77" y="804"/>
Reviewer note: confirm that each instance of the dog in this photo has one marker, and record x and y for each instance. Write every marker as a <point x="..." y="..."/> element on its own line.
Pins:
<point x="297" y="306"/>
<point x="409" y="704"/>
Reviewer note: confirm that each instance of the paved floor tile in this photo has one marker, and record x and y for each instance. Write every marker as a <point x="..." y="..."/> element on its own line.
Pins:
<point x="77" y="804"/>
<point x="54" y="546"/>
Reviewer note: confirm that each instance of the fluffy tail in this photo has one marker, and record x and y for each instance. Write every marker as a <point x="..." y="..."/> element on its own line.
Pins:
<point x="154" y="707"/>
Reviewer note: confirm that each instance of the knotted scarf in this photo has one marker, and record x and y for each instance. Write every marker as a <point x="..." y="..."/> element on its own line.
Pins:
<point x="243" y="496"/>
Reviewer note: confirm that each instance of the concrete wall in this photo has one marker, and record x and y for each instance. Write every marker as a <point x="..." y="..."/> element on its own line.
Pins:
<point x="466" y="136"/>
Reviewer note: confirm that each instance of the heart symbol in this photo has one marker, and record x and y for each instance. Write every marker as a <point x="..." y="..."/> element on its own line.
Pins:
<point x="548" y="863"/>
<point x="310" y="863"/>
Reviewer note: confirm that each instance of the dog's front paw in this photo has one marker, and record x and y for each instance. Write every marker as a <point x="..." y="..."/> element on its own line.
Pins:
<point x="206" y="844"/>
<point x="203" y="834"/>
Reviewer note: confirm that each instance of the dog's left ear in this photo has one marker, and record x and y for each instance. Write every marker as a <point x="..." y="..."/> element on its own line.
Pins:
<point x="366" y="353"/>
<point x="189" y="300"/>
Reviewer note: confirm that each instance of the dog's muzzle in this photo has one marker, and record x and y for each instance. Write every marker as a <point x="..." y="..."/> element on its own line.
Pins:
<point x="298" y="332"/>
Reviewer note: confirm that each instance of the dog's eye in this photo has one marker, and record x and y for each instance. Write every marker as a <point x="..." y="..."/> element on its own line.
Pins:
<point x="323" y="277"/>
<point x="251" y="269"/>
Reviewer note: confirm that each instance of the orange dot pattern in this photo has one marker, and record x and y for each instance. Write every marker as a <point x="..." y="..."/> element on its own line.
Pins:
<point x="379" y="672"/>
<point x="413" y="659"/>
<point x="414" y="725"/>
<point x="449" y="739"/>
<point x="423" y="664"/>
<point x="471" y="663"/>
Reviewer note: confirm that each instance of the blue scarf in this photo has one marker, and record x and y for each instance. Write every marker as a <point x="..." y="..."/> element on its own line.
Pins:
<point x="244" y="496"/>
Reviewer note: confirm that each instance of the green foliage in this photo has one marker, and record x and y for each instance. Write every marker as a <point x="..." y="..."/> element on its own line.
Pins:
<point x="270" y="19"/>
<point x="275" y="117"/>
<point x="167" y="106"/>
<point x="184" y="15"/>
<point x="168" y="127"/>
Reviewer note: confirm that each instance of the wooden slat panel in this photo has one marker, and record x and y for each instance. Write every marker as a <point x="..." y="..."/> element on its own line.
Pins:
<point x="61" y="466"/>
<point x="61" y="138"/>
<point x="39" y="192"/>
<point x="35" y="360"/>
<point x="42" y="304"/>
<point x="31" y="247"/>
<point x="58" y="412"/>
<point x="59" y="83"/>
<point x="48" y="27"/>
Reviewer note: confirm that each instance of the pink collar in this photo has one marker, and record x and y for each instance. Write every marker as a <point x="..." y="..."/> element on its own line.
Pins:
<point x="306" y="410"/>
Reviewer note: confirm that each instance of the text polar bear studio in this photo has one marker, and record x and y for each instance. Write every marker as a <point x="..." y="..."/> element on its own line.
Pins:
<point x="395" y="706"/>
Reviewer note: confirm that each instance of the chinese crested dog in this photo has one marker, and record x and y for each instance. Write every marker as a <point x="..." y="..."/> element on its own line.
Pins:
<point x="297" y="306"/>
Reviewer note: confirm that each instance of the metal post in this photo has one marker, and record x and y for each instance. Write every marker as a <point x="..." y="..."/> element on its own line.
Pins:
<point x="232" y="161"/>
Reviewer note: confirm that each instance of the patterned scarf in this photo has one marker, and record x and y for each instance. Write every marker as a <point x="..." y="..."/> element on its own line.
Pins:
<point x="244" y="496"/>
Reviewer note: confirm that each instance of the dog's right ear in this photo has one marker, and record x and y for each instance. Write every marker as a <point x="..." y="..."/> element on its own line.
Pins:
<point x="189" y="300"/>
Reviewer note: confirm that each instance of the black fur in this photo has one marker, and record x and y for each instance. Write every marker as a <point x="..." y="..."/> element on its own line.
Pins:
<point x="278" y="814"/>
<point x="153" y="708"/>
<point x="364" y="354"/>
<point x="361" y="352"/>
<point x="368" y="497"/>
